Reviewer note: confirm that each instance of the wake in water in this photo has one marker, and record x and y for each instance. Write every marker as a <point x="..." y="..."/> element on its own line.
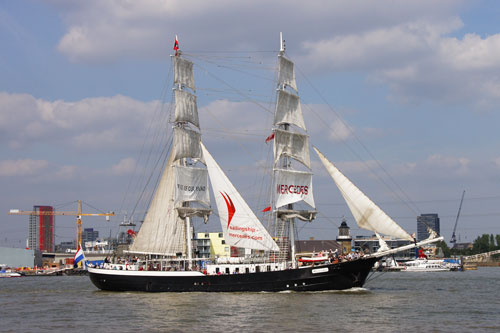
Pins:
<point x="355" y="290"/>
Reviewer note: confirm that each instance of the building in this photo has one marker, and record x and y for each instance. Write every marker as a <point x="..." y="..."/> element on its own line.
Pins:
<point x="41" y="230"/>
<point x="65" y="246"/>
<point x="425" y="221"/>
<point x="14" y="257"/>
<point x="89" y="235"/>
<point x="344" y="238"/>
<point x="211" y="245"/>
<point x="314" y="245"/>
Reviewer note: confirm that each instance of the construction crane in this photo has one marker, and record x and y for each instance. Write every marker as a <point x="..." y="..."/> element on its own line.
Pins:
<point x="78" y="215"/>
<point x="453" y="239"/>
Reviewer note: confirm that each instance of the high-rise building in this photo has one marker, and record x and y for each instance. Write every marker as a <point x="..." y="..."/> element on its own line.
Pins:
<point x="425" y="221"/>
<point x="89" y="235"/>
<point x="41" y="230"/>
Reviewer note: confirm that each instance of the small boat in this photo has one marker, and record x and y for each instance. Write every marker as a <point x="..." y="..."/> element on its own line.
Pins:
<point x="429" y="265"/>
<point x="313" y="258"/>
<point x="7" y="272"/>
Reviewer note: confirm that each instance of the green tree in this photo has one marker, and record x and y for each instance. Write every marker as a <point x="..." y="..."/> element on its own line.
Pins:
<point x="481" y="244"/>
<point x="445" y="248"/>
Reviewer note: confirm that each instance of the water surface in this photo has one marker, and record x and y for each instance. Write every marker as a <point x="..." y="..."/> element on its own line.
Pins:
<point x="391" y="302"/>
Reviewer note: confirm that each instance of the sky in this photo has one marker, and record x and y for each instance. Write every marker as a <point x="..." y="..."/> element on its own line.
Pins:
<point x="401" y="95"/>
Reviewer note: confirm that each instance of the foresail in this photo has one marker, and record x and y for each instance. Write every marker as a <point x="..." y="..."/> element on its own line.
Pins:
<point x="240" y="225"/>
<point x="191" y="184"/>
<point x="292" y="186"/>
<point x="367" y="214"/>
<point x="163" y="231"/>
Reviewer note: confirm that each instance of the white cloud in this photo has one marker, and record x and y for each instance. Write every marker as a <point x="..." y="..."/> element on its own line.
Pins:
<point x="24" y="167"/>
<point x="497" y="162"/>
<point x="409" y="47"/>
<point x="103" y="30"/>
<point x="125" y="166"/>
<point x="91" y="123"/>
<point x="340" y="131"/>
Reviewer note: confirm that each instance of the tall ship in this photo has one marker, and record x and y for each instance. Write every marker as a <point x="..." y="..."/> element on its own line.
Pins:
<point x="164" y="260"/>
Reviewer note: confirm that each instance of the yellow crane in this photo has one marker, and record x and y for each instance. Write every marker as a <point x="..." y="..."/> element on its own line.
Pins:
<point x="78" y="215"/>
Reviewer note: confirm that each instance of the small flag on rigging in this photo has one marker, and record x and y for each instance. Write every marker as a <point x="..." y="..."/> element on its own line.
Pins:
<point x="267" y="209"/>
<point x="270" y="137"/>
<point x="176" y="45"/>
<point x="79" y="256"/>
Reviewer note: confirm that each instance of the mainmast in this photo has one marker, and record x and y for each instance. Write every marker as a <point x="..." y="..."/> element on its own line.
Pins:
<point x="290" y="144"/>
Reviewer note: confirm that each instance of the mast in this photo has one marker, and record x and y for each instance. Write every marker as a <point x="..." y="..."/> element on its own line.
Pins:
<point x="184" y="162"/>
<point x="291" y="185"/>
<point x="167" y="225"/>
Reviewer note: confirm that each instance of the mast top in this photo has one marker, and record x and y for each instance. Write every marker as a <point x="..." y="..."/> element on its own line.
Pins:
<point x="176" y="46"/>
<point x="282" y="44"/>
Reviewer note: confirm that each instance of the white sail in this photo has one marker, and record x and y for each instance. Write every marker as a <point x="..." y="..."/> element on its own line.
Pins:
<point x="288" y="110"/>
<point x="291" y="144"/>
<point x="186" y="143"/>
<point x="163" y="231"/>
<point x="240" y="225"/>
<point x="292" y="186"/>
<point x="186" y="109"/>
<point x="183" y="72"/>
<point x="286" y="74"/>
<point x="367" y="214"/>
<point x="191" y="184"/>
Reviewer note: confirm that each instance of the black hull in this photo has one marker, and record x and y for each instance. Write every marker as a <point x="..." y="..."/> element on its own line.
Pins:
<point x="339" y="276"/>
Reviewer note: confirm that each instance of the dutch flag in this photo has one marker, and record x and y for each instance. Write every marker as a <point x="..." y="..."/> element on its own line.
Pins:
<point x="79" y="256"/>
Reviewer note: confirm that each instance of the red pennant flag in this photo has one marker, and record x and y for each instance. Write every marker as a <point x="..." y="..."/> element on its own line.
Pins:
<point x="132" y="233"/>
<point x="176" y="45"/>
<point x="267" y="209"/>
<point x="270" y="137"/>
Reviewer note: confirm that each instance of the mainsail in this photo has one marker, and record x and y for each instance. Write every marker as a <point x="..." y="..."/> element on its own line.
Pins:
<point x="240" y="225"/>
<point x="366" y="213"/>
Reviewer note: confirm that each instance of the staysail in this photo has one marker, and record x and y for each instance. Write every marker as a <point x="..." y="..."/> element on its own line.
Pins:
<point x="366" y="213"/>
<point x="163" y="231"/>
<point x="240" y="225"/>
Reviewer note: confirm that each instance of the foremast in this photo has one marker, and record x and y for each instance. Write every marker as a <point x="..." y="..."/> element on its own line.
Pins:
<point x="290" y="143"/>
<point x="183" y="189"/>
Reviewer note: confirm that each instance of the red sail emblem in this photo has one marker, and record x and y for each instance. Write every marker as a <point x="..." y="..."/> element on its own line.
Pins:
<point x="230" y="207"/>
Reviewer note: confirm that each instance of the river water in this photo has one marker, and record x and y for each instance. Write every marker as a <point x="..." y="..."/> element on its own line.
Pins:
<point x="391" y="302"/>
